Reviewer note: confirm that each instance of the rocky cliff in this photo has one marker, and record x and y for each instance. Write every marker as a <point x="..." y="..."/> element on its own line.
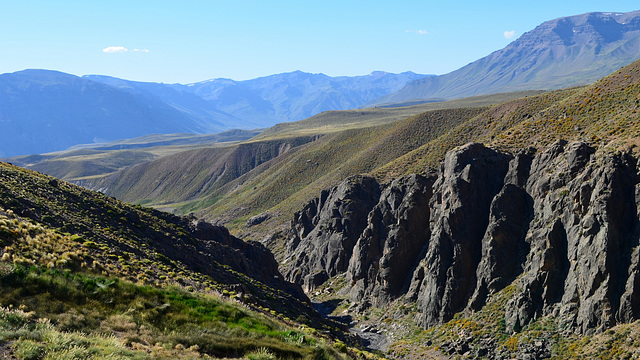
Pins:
<point x="326" y="230"/>
<point x="559" y="224"/>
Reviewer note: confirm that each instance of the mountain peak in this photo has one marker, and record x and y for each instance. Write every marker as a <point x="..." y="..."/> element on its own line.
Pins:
<point x="39" y="75"/>
<point x="564" y="52"/>
<point x="589" y="28"/>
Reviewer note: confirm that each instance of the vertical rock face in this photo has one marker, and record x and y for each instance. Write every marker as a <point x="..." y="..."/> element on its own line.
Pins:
<point x="561" y="226"/>
<point x="583" y="239"/>
<point x="470" y="178"/>
<point x="393" y="242"/>
<point x="326" y="231"/>
<point x="503" y="245"/>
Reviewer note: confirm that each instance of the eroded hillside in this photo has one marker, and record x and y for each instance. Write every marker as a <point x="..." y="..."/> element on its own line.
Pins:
<point x="553" y="232"/>
<point x="528" y="247"/>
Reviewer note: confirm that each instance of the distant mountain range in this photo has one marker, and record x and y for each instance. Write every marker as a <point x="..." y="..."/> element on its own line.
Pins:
<point x="268" y="100"/>
<point x="568" y="51"/>
<point x="43" y="111"/>
<point x="297" y="95"/>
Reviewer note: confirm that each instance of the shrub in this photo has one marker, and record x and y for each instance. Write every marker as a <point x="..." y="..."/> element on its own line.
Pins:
<point x="340" y="346"/>
<point x="29" y="350"/>
<point x="261" y="354"/>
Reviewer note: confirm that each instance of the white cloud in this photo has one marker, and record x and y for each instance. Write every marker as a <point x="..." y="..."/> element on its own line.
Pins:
<point x="419" y="32"/>
<point x="115" y="49"/>
<point x="509" y="34"/>
<point x="141" y="50"/>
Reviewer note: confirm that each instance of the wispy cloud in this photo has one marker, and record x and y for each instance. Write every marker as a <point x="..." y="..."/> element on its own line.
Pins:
<point x="115" y="49"/>
<point x="509" y="34"/>
<point x="122" y="49"/>
<point x="419" y="32"/>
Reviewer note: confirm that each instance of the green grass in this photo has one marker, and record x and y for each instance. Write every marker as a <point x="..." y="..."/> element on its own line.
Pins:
<point x="49" y="314"/>
<point x="67" y="227"/>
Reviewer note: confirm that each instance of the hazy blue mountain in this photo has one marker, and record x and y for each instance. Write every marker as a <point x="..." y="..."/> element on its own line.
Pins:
<point x="564" y="52"/>
<point x="178" y="97"/>
<point x="43" y="111"/>
<point x="268" y="100"/>
<point x="297" y="95"/>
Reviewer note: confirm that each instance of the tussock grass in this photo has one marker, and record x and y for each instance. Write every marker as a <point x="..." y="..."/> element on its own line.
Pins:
<point x="69" y="228"/>
<point x="49" y="314"/>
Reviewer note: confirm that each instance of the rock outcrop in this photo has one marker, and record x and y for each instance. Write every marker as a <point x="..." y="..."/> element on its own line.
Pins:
<point x="582" y="239"/>
<point x="393" y="242"/>
<point x="561" y="226"/>
<point x="326" y="231"/>
<point x="247" y="257"/>
<point x="471" y="176"/>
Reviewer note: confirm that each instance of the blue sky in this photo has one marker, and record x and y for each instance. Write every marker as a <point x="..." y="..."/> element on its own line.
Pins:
<point x="188" y="41"/>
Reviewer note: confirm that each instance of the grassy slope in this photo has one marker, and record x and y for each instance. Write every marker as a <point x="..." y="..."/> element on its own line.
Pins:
<point x="48" y="314"/>
<point x="334" y="121"/>
<point x="483" y="128"/>
<point x="605" y="114"/>
<point x="118" y="281"/>
<point x="191" y="175"/>
<point x="96" y="161"/>
<point x="105" y="236"/>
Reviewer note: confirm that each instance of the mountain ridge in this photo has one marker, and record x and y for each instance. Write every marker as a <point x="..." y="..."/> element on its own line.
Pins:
<point x="296" y="95"/>
<point x="563" y="52"/>
<point x="44" y="110"/>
